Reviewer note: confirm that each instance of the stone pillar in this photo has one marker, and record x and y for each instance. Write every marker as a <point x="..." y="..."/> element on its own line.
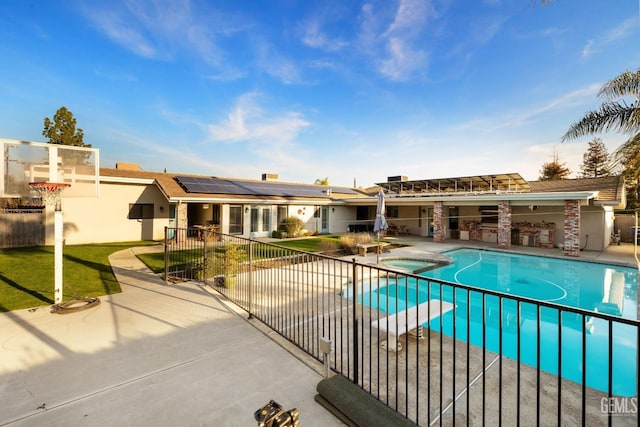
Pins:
<point x="181" y="220"/>
<point x="504" y="224"/>
<point x="572" y="228"/>
<point x="438" y="222"/>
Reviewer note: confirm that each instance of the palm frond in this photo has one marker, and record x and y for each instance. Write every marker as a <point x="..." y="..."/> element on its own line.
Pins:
<point x="626" y="84"/>
<point x="627" y="155"/>
<point x="616" y="116"/>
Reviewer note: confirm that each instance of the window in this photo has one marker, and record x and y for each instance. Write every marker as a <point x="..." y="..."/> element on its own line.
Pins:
<point x="362" y="213"/>
<point x="282" y="215"/>
<point x="235" y="220"/>
<point x="140" y="211"/>
<point x="392" y="212"/>
<point x="489" y="214"/>
<point x="254" y="220"/>
<point x="266" y="219"/>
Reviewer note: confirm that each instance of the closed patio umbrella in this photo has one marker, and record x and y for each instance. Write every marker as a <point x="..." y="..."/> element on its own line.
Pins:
<point x="381" y="223"/>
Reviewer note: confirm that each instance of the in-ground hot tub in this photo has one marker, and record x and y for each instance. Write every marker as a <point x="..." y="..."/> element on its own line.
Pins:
<point x="413" y="265"/>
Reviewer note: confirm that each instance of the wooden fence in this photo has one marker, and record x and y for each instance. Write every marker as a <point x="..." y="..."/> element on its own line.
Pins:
<point x="22" y="228"/>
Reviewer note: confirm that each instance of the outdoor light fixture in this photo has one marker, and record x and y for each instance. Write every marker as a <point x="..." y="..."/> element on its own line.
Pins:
<point x="246" y="209"/>
<point x="161" y="208"/>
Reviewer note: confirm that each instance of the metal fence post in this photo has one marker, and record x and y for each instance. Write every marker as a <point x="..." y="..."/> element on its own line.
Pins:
<point x="356" y="356"/>
<point x="204" y="254"/>
<point x="250" y="278"/>
<point x="166" y="255"/>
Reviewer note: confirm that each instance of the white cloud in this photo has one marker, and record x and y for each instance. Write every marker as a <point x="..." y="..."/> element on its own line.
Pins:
<point x="518" y="118"/>
<point x="314" y="36"/>
<point x="391" y="39"/>
<point x="272" y="138"/>
<point x="116" y="28"/>
<point x="485" y="30"/>
<point x="402" y="61"/>
<point x="277" y="65"/>
<point x="163" y="29"/>
<point x="623" y="30"/>
<point x="410" y="16"/>
<point x="248" y="122"/>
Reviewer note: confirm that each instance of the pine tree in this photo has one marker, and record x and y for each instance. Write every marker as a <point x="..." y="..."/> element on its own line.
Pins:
<point x="554" y="170"/>
<point x="595" y="162"/>
<point x="62" y="129"/>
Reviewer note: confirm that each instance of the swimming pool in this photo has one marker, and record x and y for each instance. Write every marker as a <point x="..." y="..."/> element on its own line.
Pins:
<point x="591" y="286"/>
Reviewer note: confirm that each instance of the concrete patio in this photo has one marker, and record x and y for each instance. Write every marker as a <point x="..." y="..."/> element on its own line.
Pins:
<point x="152" y="355"/>
<point x="168" y="355"/>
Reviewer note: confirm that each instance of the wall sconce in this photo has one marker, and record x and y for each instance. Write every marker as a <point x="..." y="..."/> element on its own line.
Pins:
<point x="424" y="210"/>
<point x="161" y="208"/>
<point x="333" y="209"/>
<point x="246" y="209"/>
<point x="205" y="206"/>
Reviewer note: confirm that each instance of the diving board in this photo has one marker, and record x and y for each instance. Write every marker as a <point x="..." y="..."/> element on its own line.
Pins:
<point x="408" y="320"/>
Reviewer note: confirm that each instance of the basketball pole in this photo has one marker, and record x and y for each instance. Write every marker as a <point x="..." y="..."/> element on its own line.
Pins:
<point x="58" y="227"/>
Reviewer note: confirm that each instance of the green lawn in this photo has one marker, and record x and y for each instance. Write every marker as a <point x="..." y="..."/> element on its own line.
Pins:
<point x="27" y="274"/>
<point x="155" y="260"/>
<point x="309" y="244"/>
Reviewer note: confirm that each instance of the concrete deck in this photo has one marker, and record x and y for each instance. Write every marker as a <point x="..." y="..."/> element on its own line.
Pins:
<point x="151" y="355"/>
<point x="168" y="355"/>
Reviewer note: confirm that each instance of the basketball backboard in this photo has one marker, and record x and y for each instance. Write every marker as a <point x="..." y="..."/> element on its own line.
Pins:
<point x="26" y="162"/>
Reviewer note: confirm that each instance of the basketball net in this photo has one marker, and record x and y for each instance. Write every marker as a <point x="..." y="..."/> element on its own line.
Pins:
<point x="49" y="192"/>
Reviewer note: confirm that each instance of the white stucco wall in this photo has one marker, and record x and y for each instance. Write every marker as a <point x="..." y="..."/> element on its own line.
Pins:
<point x="104" y="219"/>
<point x="340" y="218"/>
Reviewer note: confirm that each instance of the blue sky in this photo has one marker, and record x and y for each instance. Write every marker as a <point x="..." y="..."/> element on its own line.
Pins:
<point x="349" y="90"/>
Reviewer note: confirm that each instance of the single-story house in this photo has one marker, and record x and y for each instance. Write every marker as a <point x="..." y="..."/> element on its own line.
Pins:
<point x="505" y="209"/>
<point x="125" y="203"/>
<point x="135" y="204"/>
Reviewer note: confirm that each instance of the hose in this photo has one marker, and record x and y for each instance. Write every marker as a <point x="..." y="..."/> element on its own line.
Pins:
<point x="75" y="305"/>
<point x="585" y="243"/>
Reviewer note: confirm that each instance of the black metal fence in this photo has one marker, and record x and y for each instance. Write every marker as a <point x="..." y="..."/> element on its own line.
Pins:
<point x="489" y="359"/>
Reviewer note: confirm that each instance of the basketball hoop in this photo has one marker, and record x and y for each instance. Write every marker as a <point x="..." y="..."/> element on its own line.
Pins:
<point x="50" y="192"/>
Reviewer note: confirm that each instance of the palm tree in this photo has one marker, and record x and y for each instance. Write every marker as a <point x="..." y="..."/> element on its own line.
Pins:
<point x="615" y="114"/>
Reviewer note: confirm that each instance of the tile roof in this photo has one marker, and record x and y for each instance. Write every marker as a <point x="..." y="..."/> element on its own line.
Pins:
<point x="610" y="188"/>
<point x="170" y="187"/>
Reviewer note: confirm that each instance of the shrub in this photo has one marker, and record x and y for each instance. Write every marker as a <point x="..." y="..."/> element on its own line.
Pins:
<point x="226" y="263"/>
<point x="328" y="246"/>
<point x="293" y="226"/>
<point x="349" y="241"/>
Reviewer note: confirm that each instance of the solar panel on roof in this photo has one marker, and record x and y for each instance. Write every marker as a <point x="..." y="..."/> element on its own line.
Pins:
<point x="213" y="185"/>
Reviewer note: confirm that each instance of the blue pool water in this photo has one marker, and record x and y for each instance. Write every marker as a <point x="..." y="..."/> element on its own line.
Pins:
<point x="591" y="286"/>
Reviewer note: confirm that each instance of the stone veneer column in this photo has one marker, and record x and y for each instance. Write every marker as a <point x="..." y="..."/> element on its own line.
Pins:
<point x="438" y="222"/>
<point x="504" y="224"/>
<point x="572" y="227"/>
<point x="181" y="218"/>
